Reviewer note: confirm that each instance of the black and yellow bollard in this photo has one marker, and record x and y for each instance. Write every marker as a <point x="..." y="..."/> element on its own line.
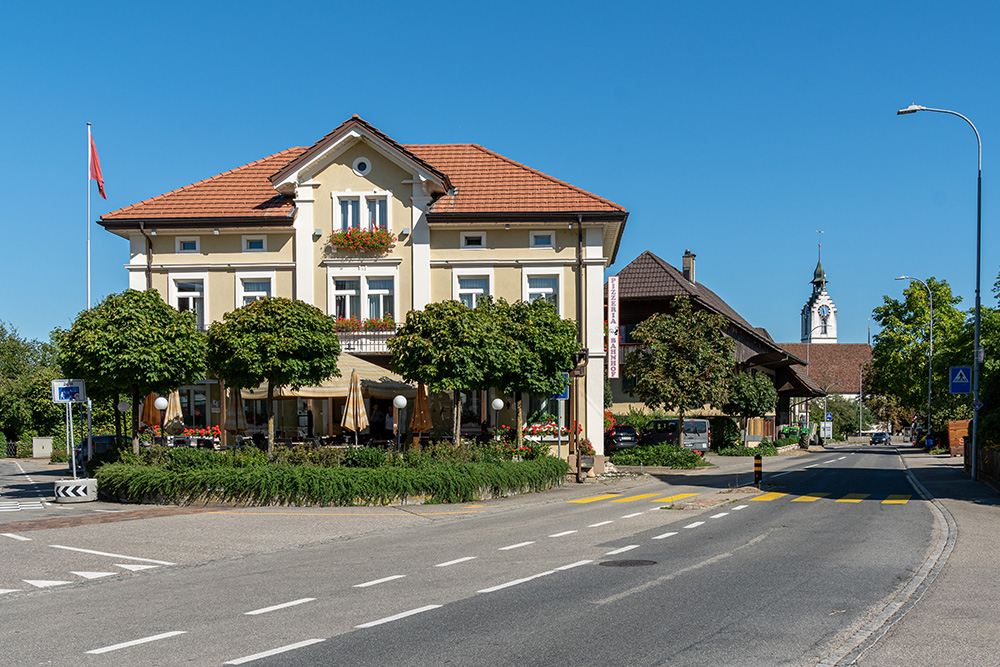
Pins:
<point x="758" y="470"/>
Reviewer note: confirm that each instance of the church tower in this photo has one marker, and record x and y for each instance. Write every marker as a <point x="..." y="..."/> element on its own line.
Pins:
<point x="819" y="315"/>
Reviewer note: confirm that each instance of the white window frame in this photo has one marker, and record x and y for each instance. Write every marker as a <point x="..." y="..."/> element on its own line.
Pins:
<point x="369" y="292"/>
<point x="254" y="237"/>
<point x="271" y="276"/>
<point x="183" y="277"/>
<point x="362" y="273"/>
<point x="362" y="198"/>
<point x="180" y="240"/>
<point x="465" y="236"/>
<point x="544" y="271"/>
<point x="542" y="246"/>
<point x="477" y="272"/>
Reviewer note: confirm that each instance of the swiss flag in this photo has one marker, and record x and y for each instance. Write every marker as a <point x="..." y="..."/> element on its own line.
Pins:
<point x="95" y="168"/>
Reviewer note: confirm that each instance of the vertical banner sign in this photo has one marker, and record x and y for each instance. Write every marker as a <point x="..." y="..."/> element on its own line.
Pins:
<point x="612" y="327"/>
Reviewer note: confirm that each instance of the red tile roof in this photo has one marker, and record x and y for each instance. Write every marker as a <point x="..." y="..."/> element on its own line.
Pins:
<point x="487" y="182"/>
<point x="244" y="192"/>
<point x="483" y="182"/>
<point x="833" y="362"/>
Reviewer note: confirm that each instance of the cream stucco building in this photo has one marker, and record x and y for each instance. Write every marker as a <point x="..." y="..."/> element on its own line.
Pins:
<point x="464" y="222"/>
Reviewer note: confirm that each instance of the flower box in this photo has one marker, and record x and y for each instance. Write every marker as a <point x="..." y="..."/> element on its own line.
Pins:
<point x="375" y="241"/>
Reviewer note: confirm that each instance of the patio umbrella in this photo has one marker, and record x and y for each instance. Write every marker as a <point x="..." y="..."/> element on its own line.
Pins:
<point x="236" y="417"/>
<point x="150" y="416"/>
<point x="355" y="417"/>
<point x="420" y="422"/>
<point x="173" y="420"/>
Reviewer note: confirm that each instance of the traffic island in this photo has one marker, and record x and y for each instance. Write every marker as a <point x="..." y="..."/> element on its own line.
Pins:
<point x="76" y="490"/>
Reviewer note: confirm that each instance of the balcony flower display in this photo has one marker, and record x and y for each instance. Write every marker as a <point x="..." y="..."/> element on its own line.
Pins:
<point x="375" y="241"/>
<point x="349" y="324"/>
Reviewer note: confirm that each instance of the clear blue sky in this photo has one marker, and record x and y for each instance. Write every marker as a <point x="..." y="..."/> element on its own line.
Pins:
<point x="735" y="129"/>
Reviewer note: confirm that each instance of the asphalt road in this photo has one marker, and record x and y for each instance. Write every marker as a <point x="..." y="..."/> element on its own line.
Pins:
<point x="627" y="573"/>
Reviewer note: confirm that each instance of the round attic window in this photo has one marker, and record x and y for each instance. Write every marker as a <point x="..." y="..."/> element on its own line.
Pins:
<point x="362" y="166"/>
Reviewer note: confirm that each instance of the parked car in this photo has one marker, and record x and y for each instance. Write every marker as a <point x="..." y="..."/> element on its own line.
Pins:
<point x="619" y="437"/>
<point x="880" y="438"/>
<point x="102" y="444"/>
<point x="697" y="433"/>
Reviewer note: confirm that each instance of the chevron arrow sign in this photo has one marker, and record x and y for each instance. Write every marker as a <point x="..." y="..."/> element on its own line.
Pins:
<point x="79" y="491"/>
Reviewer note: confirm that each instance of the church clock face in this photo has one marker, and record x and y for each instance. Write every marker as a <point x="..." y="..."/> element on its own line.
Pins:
<point x="824" y="311"/>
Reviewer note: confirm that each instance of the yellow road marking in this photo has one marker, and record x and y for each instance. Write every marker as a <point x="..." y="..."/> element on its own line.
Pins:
<point x="896" y="500"/>
<point x="630" y="498"/>
<point x="770" y="496"/>
<point x="853" y="498"/>
<point x="674" y="498"/>
<point x="809" y="497"/>
<point x="593" y="498"/>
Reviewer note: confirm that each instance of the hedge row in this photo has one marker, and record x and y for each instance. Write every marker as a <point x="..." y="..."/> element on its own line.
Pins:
<point x="664" y="455"/>
<point x="309" y="485"/>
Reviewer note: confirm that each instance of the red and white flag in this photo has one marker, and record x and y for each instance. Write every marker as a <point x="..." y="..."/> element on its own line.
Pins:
<point x="95" y="166"/>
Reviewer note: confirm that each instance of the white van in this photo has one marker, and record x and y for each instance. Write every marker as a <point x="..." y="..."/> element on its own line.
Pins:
<point x="697" y="433"/>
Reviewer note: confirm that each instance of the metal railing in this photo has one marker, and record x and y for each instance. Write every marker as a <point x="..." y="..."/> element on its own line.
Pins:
<point x="365" y="342"/>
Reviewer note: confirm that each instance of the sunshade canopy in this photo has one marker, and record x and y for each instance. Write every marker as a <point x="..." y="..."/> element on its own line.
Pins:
<point x="376" y="382"/>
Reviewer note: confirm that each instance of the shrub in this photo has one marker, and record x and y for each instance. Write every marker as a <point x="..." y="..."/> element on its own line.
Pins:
<point x="765" y="448"/>
<point x="25" y="450"/>
<point x="668" y="456"/>
<point x="725" y="431"/>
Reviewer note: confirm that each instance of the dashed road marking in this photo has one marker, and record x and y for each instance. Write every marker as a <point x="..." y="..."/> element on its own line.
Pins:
<point x="622" y="550"/>
<point x="674" y="498"/>
<point x="456" y="561"/>
<point x="94" y="575"/>
<point x="379" y="581"/>
<point x="12" y="536"/>
<point x="896" y="500"/>
<point x="810" y="497"/>
<point x="594" y="498"/>
<point x="774" y="495"/>
<point x="514" y="546"/>
<point x="665" y="535"/>
<point x="695" y="524"/>
<point x="276" y="607"/>
<point x="563" y="534"/>
<point x="631" y="498"/>
<point x="853" y="498"/>
<point x="274" y="651"/>
<point x="633" y="514"/>
<point x="104" y="553"/>
<point x="136" y="642"/>
<point x="719" y="515"/>
<point x="44" y="583"/>
<point x="599" y="523"/>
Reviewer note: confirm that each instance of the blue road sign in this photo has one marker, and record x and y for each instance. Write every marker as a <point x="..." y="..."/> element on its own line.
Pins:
<point x="829" y="416"/>
<point x="564" y="396"/>
<point x="960" y="379"/>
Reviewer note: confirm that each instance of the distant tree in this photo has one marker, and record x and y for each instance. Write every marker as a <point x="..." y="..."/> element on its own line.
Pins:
<point x="684" y="360"/>
<point x="278" y="341"/>
<point x="900" y="352"/>
<point x="27" y="368"/>
<point x="133" y="343"/>
<point x="845" y="415"/>
<point x="750" y="396"/>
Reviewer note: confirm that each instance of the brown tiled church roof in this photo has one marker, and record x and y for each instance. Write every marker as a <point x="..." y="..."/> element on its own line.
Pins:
<point x="834" y="362"/>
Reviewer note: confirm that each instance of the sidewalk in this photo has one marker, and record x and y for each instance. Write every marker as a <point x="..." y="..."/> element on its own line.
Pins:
<point x="957" y="621"/>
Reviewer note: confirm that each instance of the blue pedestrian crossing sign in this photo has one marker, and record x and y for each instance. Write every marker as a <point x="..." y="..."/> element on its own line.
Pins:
<point x="960" y="379"/>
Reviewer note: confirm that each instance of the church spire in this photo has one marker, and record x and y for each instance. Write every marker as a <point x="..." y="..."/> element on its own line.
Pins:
<point x="819" y="275"/>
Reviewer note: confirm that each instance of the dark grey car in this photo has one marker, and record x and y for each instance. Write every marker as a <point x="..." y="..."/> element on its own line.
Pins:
<point x="697" y="433"/>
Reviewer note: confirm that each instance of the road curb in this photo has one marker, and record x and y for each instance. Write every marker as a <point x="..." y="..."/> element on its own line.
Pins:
<point x="904" y="600"/>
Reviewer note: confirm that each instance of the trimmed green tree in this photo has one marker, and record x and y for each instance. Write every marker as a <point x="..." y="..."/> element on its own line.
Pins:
<point x="283" y="342"/>
<point x="538" y="348"/>
<point x="684" y="360"/>
<point x="133" y="343"/>
<point x="750" y="395"/>
<point x="448" y="347"/>
<point x="26" y="369"/>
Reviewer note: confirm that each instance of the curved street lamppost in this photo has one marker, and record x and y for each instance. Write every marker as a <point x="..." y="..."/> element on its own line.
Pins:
<point x="977" y="351"/>
<point x="930" y="356"/>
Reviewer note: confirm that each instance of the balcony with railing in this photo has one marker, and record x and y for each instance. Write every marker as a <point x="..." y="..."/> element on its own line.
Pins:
<point x="364" y="337"/>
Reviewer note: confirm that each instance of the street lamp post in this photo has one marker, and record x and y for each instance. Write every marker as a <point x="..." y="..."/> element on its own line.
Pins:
<point x="977" y="352"/>
<point x="930" y="355"/>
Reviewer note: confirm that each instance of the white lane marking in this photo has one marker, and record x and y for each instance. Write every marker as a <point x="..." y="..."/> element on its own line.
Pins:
<point x="695" y="524"/>
<point x="812" y="465"/>
<point x="842" y="458"/>
<point x="278" y="606"/>
<point x="44" y="583"/>
<point x="16" y="537"/>
<point x="664" y="535"/>
<point x="740" y="507"/>
<point x="389" y="619"/>
<point x="629" y="516"/>
<point x="602" y="523"/>
<point x="456" y="561"/>
<point x="516" y="582"/>
<point x="622" y="550"/>
<point x="136" y="642"/>
<point x="779" y="474"/>
<point x="719" y="515"/>
<point x="572" y="565"/>
<point x="103" y="553"/>
<point x="563" y="534"/>
<point x="8" y="590"/>
<point x="273" y="651"/>
<point x="94" y="575"/>
<point x="135" y="568"/>
<point x="379" y="581"/>
<point x="514" y="546"/>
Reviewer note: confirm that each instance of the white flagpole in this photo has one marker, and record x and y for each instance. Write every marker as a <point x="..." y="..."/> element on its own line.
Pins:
<point x="89" y="157"/>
